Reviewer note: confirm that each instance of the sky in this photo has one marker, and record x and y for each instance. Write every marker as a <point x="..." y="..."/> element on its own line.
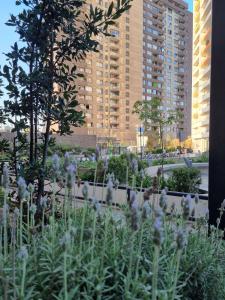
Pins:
<point x="7" y="35"/>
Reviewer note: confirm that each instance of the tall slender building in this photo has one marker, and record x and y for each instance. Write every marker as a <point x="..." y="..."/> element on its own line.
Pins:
<point x="201" y="74"/>
<point x="167" y="58"/>
<point x="148" y="55"/>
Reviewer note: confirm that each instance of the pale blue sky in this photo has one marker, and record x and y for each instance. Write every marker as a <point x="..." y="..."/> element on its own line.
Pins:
<point x="7" y="35"/>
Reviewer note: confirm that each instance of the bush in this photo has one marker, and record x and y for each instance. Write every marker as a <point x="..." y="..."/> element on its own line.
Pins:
<point x="87" y="252"/>
<point x="158" y="162"/>
<point x="157" y="151"/>
<point x="186" y="180"/>
<point x="118" y="166"/>
<point x="204" y="158"/>
<point x="103" y="257"/>
<point x="146" y="181"/>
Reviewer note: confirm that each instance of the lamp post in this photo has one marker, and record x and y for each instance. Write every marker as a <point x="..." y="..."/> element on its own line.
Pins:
<point x="217" y="114"/>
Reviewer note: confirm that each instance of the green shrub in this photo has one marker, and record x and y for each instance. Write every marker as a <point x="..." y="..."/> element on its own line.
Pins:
<point x="146" y="182"/>
<point x="185" y="180"/>
<point x="167" y="161"/>
<point x="204" y="158"/>
<point x="118" y="166"/>
<point x="157" y="151"/>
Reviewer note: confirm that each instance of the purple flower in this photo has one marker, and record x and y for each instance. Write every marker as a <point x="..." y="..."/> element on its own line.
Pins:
<point x="106" y="164"/>
<point x="71" y="171"/>
<point x="85" y="191"/>
<point x="158" y="232"/>
<point x="66" y="161"/>
<point x="134" y="166"/>
<point x="180" y="239"/>
<point x="146" y="210"/>
<point x="109" y="193"/>
<point x="22" y="187"/>
<point x="163" y="200"/>
<point x="134" y="215"/>
<point x="55" y="163"/>
<point x="5" y="176"/>
<point x="23" y="253"/>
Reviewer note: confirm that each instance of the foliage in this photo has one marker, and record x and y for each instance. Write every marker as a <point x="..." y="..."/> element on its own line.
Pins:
<point x="118" y="166"/>
<point x="4" y="145"/>
<point x="204" y="158"/>
<point x="167" y="161"/>
<point x="187" y="143"/>
<point x="91" y="252"/>
<point x="145" y="182"/>
<point x="156" y="119"/>
<point x="41" y="70"/>
<point x="185" y="180"/>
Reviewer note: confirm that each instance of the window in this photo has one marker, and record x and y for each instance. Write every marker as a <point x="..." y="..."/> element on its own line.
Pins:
<point x="88" y="88"/>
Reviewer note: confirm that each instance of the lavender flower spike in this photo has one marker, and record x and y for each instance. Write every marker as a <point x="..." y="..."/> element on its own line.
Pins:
<point x="5" y="176"/>
<point x="158" y="233"/>
<point x="180" y="240"/>
<point x="22" y="187"/>
<point x="109" y="194"/>
<point x="23" y="253"/>
<point x="55" y="163"/>
<point x="85" y="191"/>
<point x="134" y="215"/>
<point x="70" y="176"/>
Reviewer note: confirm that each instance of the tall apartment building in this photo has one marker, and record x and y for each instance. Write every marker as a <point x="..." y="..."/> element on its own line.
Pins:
<point x="167" y="59"/>
<point x="149" y="55"/>
<point x="112" y="80"/>
<point x="201" y="74"/>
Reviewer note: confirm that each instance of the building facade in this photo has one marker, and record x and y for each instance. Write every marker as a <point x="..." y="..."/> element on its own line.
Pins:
<point x="148" y="56"/>
<point x="201" y="74"/>
<point x="167" y="59"/>
<point x="112" y="80"/>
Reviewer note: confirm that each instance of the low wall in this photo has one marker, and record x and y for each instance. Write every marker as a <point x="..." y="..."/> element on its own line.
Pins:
<point x="84" y="141"/>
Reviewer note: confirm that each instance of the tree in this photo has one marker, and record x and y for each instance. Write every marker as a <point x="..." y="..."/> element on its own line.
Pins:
<point x="156" y="119"/>
<point x="54" y="35"/>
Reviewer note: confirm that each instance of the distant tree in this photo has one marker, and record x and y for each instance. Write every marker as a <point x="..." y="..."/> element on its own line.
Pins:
<point x="155" y="119"/>
<point x="54" y="35"/>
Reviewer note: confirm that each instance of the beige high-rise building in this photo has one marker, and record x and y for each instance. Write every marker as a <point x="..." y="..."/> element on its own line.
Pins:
<point x="113" y="80"/>
<point x="201" y="74"/>
<point x="148" y="55"/>
<point x="167" y="59"/>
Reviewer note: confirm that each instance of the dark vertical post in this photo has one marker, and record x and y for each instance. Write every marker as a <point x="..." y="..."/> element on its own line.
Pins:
<point x="217" y="113"/>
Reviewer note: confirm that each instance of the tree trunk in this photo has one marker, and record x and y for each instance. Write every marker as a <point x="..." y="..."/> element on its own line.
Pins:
<point x="31" y="158"/>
